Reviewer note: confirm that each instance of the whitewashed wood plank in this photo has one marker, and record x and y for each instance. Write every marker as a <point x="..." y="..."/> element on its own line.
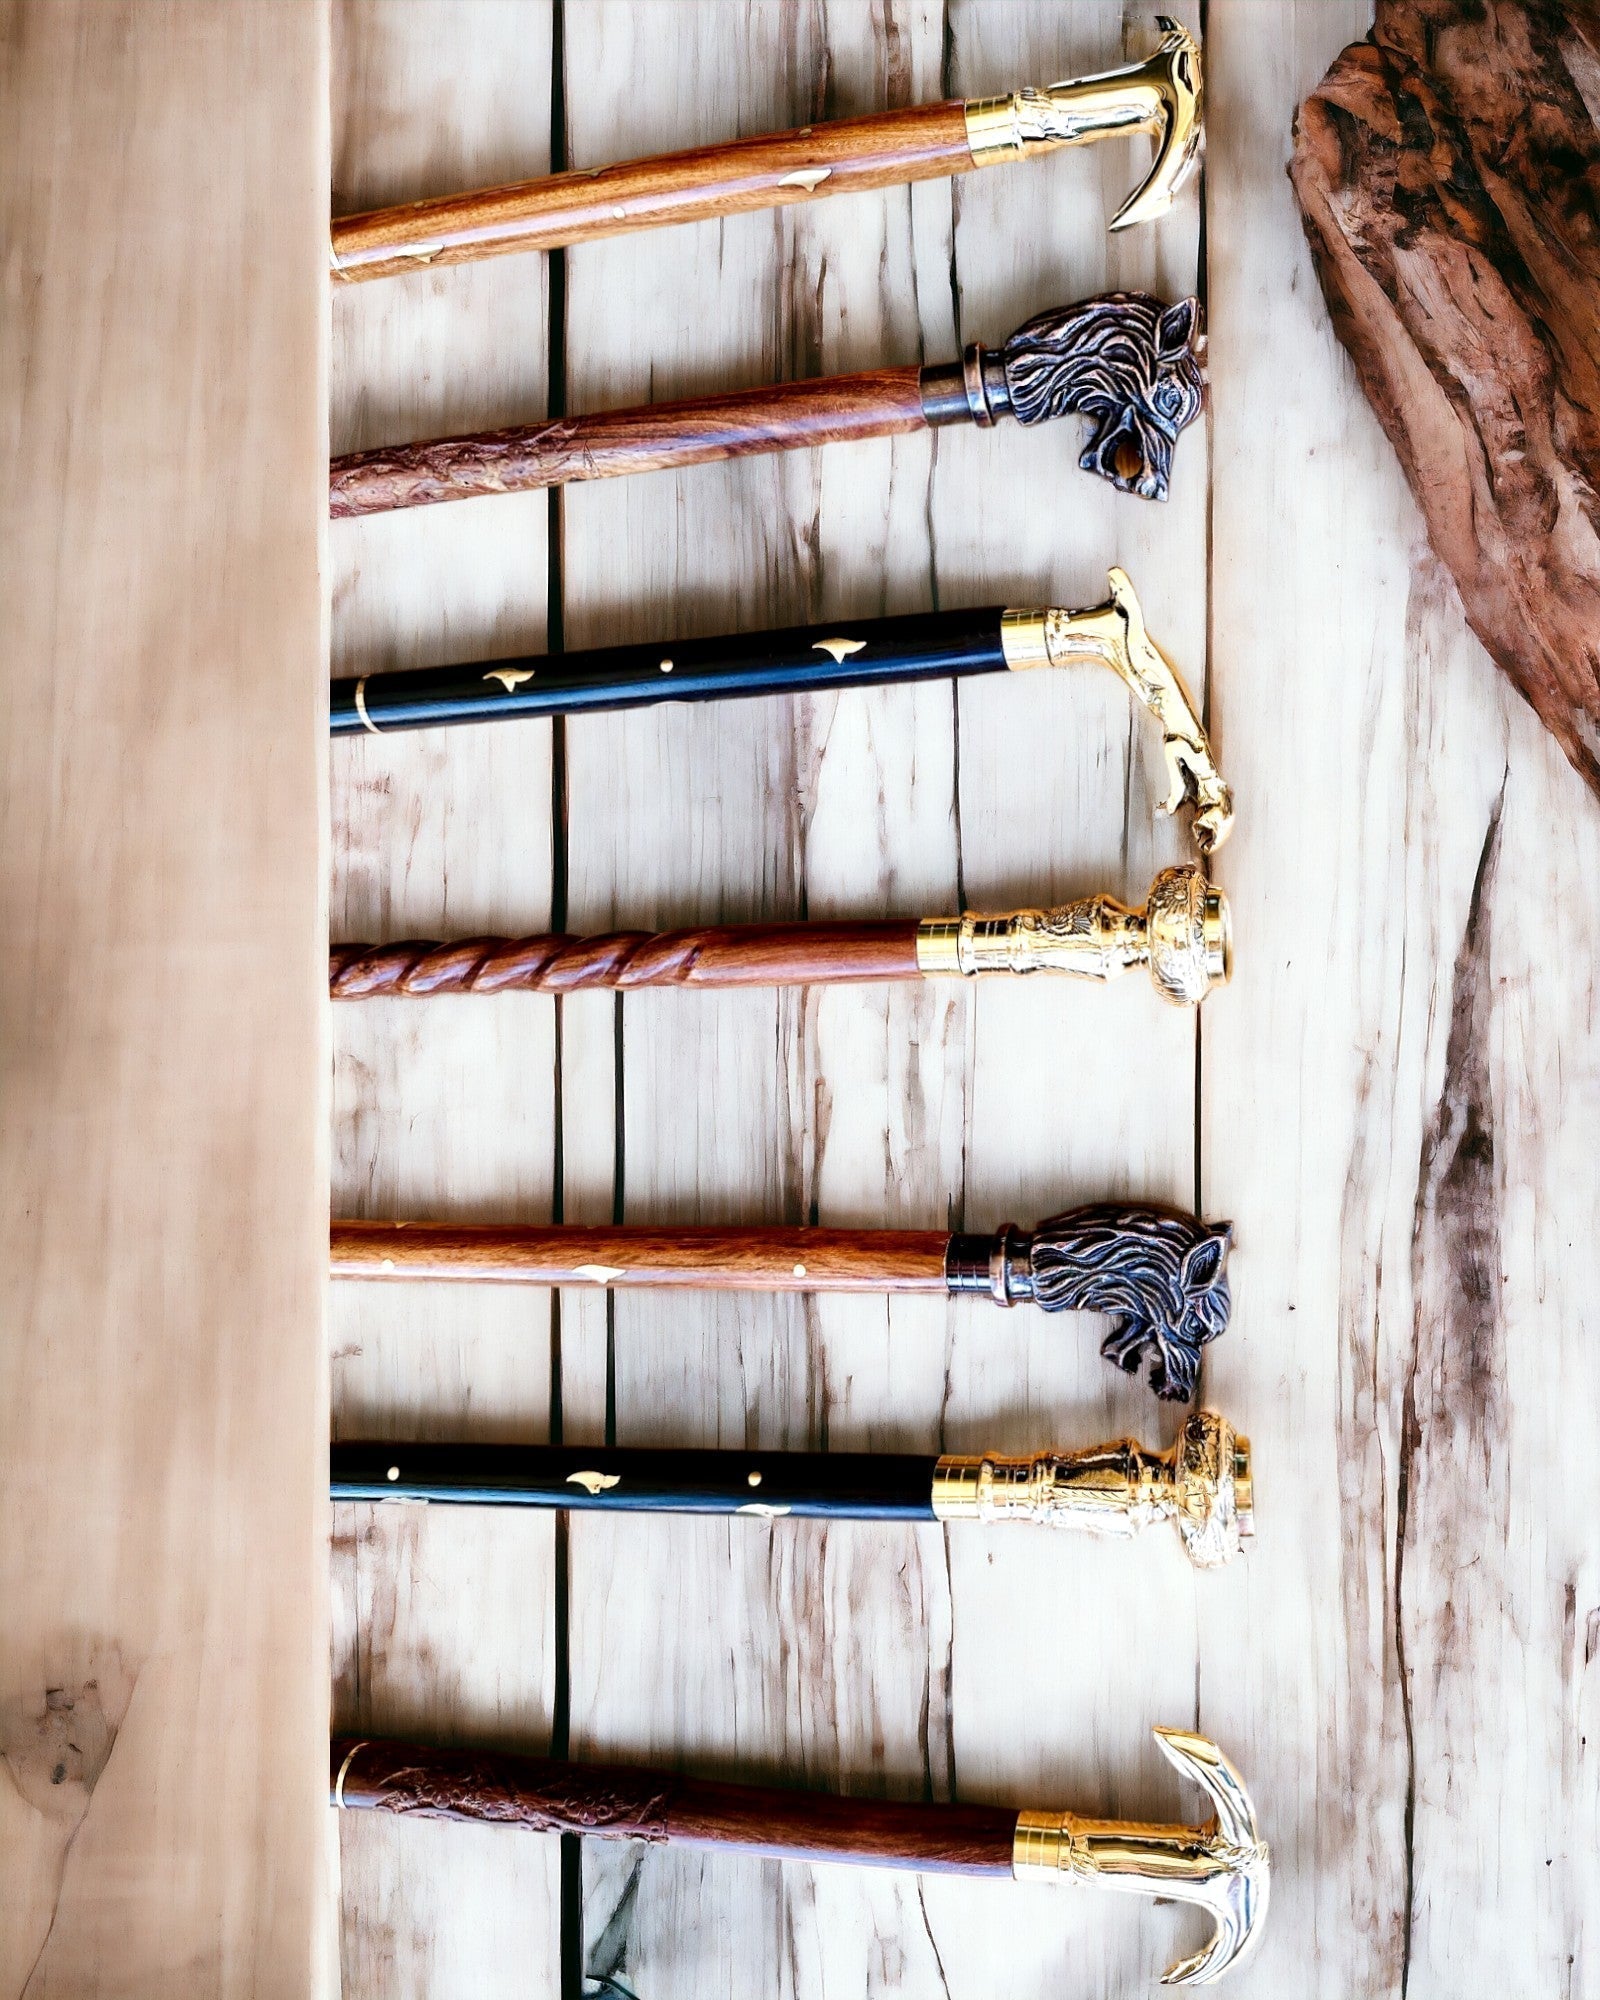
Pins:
<point x="700" y="1641"/>
<point x="1391" y="1104"/>
<point x="443" y="1623"/>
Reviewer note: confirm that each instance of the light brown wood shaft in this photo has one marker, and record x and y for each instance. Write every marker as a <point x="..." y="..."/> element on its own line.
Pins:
<point x="727" y="955"/>
<point x="831" y="410"/>
<point x="845" y="156"/>
<point x="697" y="1258"/>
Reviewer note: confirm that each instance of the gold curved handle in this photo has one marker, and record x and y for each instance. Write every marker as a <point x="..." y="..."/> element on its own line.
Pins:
<point x="1161" y="95"/>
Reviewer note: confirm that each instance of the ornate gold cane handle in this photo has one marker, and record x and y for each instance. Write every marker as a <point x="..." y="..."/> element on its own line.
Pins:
<point x="1202" y="1484"/>
<point x="1114" y="635"/>
<point x="1182" y="935"/>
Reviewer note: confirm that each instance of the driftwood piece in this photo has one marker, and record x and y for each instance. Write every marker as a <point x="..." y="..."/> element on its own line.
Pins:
<point x="1448" y="175"/>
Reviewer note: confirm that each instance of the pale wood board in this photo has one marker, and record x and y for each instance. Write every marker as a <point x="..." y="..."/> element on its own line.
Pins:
<point x="164" y="1114"/>
<point x="1421" y="1770"/>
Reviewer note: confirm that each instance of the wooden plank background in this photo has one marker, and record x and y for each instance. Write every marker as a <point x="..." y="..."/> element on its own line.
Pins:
<point x="1390" y="1101"/>
<point x="164" y="1109"/>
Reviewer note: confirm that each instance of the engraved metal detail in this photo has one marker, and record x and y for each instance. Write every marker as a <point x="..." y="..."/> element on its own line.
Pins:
<point x="1182" y="935"/>
<point x="1224" y="1865"/>
<point x="1116" y="1490"/>
<point x="1127" y="363"/>
<point x="1161" y="1276"/>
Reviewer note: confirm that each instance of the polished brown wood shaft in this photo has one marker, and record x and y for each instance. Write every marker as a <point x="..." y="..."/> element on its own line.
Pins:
<point x="621" y="1802"/>
<point x="610" y="443"/>
<point x="711" y="955"/>
<point x="844" y="156"/>
<point x="754" y="1259"/>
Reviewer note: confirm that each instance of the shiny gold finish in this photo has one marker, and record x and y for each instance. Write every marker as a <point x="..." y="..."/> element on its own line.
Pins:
<point x="1224" y="1865"/>
<point x="1114" y="635"/>
<point x="1202" y="1484"/>
<point x="1182" y="934"/>
<point x="1161" y="95"/>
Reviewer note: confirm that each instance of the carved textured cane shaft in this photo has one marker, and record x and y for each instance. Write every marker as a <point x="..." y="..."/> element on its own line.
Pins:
<point x="710" y="956"/>
<point x="618" y="1802"/>
<point x="1125" y="361"/>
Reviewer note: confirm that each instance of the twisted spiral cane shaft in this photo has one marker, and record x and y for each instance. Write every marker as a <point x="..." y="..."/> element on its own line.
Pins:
<point x="730" y="955"/>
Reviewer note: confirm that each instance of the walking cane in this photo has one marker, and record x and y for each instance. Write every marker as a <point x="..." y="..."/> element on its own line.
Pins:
<point x="1202" y="1483"/>
<point x="1181" y="937"/>
<point x="1222" y="1865"/>
<point x="1161" y="96"/>
<point x="842" y="653"/>
<point x="1159" y="1275"/>
<point x="1125" y="361"/>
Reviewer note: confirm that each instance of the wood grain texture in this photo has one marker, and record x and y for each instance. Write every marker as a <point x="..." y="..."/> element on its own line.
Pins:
<point x="850" y="1656"/>
<point x="1406" y="1667"/>
<point x="708" y="956"/>
<point x="620" y="1802"/>
<point x="163" y="1596"/>
<point x="743" y="1259"/>
<point x="610" y="444"/>
<point x="1447" y="170"/>
<point x="771" y="170"/>
<point x="442" y="1626"/>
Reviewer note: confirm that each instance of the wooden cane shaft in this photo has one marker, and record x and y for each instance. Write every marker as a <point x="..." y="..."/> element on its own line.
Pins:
<point x="730" y="955"/>
<point x="619" y="1802"/>
<point x="699" y="1258"/>
<point x="610" y="443"/>
<point x="845" y="156"/>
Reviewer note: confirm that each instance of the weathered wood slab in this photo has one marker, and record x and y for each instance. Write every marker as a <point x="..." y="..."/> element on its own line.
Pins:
<point x="1448" y="170"/>
<point x="1396" y="1098"/>
<point x="163" y="1110"/>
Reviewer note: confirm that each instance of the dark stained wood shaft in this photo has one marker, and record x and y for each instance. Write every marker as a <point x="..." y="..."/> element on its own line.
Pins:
<point x="727" y="955"/>
<point x="697" y="1257"/>
<point x="1448" y="174"/>
<point x="619" y="1802"/>
<point x="845" y="156"/>
<point x="830" y="410"/>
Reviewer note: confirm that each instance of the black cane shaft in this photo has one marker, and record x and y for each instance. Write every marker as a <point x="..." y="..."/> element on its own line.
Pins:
<point x="622" y="1802"/>
<point x="830" y="1485"/>
<point x="842" y="653"/>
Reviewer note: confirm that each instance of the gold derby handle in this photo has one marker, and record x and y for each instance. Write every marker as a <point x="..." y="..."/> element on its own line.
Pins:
<point x="1224" y="1865"/>
<point x="1114" y="634"/>
<point x="1161" y="95"/>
